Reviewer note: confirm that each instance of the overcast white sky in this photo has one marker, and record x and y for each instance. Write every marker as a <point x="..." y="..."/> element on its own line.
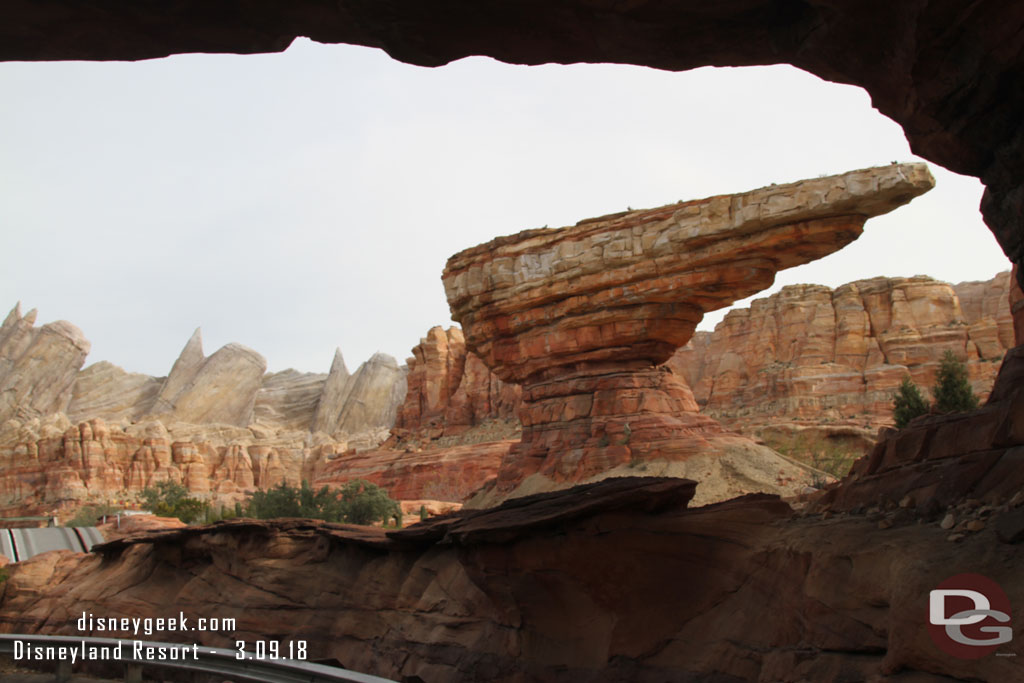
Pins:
<point x="308" y="200"/>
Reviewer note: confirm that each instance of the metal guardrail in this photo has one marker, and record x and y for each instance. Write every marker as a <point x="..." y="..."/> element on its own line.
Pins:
<point x="212" y="660"/>
<point x="21" y="544"/>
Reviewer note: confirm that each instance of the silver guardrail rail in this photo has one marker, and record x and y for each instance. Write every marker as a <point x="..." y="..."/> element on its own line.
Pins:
<point x="214" y="660"/>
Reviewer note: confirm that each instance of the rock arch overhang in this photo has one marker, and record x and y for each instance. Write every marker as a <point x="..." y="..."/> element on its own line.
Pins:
<point x="949" y="73"/>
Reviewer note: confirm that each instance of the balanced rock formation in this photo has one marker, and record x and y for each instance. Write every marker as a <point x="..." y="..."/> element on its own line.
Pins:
<point x="814" y="355"/>
<point x="581" y="316"/>
<point x="38" y="365"/>
<point x="622" y="580"/>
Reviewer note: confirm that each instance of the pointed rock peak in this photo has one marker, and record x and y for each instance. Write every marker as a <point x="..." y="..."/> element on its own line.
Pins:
<point x="194" y="346"/>
<point x="338" y="366"/>
<point x="30" y="317"/>
<point x="14" y="316"/>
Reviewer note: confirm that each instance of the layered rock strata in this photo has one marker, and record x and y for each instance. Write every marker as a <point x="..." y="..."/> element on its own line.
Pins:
<point x="581" y="316"/>
<point x="450" y="391"/>
<point x="219" y="425"/>
<point x="616" y="581"/>
<point x="938" y="460"/>
<point x="816" y="355"/>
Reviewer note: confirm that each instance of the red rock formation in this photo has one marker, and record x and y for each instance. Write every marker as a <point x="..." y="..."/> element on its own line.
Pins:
<point x="444" y="474"/>
<point x="817" y="355"/>
<point x="450" y="390"/>
<point x="580" y="316"/>
<point x="940" y="459"/>
<point x="44" y="469"/>
<point x="616" y="581"/>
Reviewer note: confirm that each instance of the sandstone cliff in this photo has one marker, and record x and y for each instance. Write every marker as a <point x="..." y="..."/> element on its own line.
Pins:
<point x="451" y="391"/>
<point x="814" y="355"/>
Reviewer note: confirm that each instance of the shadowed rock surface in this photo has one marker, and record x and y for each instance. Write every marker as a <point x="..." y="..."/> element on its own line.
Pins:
<point x="615" y="581"/>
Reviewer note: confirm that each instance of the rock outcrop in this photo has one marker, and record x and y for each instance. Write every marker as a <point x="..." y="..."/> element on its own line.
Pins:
<point x="938" y="460"/>
<point x="814" y="355"/>
<point x="38" y="365"/>
<point x="107" y="391"/>
<point x="581" y="316"/>
<point x="286" y="399"/>
<point x="332" y="399"/>
<point x="620" y="580"/>
<point x="218" y="425"/>
<point x="451" y="391"/>
<point x="219" y="389"/>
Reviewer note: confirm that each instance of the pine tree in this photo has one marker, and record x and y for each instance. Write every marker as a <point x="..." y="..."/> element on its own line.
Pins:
<point x="952" y="391"/>
<point x="908" y="403"/>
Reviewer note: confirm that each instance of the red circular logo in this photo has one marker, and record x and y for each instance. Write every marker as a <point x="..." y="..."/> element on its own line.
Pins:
<point x="969" y="616"/>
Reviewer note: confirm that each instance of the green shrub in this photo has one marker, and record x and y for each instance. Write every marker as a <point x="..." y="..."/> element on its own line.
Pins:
<point x="357" y="502"/>
<point x="908" y="403"/>
<point x="168" y="499"/>
<point x="952" y="391"/>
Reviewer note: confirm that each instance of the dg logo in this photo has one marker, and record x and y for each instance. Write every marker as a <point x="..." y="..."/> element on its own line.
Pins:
<point x="969" y="616"/>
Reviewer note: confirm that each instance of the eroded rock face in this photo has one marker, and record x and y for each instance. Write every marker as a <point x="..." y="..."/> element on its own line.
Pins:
<point x="105" y="390"/>
<point x="218" y="389"/>
<point x="38" y="365"/>
<point x="581" y="315"/>
<point x="938" y="460"/>
<point x="814" y="354"/>
<point x="286" y="399"/>
<point x="53" y="465"/>
<point x="615" y="581"/>
<point x="450" y="390"/>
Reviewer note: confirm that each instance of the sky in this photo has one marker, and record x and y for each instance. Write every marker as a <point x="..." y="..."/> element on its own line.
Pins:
<point x="308" y="200"/>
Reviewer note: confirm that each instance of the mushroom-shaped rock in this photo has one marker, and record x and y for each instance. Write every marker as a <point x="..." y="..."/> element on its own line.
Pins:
<point x="581" y="316"/>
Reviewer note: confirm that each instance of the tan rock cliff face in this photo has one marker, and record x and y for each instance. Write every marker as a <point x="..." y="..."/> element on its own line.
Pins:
<point x="103" y="389"/>
<point x="38" y="365"/>
<point x="219" y="389"/>
<point x="581" y="316"/>
<point x="814" y="354"/>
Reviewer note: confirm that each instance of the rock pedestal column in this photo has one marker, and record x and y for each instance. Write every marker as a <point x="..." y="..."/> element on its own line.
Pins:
<point x="583" y="316"/>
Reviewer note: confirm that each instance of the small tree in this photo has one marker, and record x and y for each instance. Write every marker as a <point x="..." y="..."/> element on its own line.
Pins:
<point x="908" y="403"/>
<point x="952" y="391"/>
<point x="365" y="503"/>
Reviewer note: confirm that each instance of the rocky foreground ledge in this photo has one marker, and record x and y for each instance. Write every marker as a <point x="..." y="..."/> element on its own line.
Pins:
<point x="618" y="580"/>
